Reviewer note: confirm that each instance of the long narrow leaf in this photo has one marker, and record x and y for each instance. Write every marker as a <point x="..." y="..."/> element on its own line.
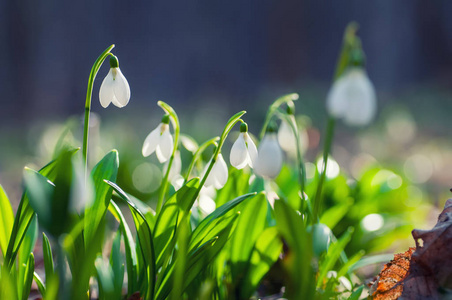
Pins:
<point x="145" y="241"/>
<point x="48" y="257"/>
<point x="28" y="278"/>
<point x="130" y="250"/>
<point x="200" y="235"/>
<point x="25" y="213"/>
<point x="6" y="220"/>
<point x="106" y="169"/>
<point x="265" y="253"/>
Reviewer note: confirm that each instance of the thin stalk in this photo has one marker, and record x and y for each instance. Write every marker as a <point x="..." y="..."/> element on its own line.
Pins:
<point x="272" y="109"/>
<point x="197" y="155"/>
<point x="176" y="125"/>
<point x="326" y="151"/>
<point x="232" y="121"/>
<point x="300" y="163"/>
<point x="349" y="41"/>
<point x="89" y="93"/>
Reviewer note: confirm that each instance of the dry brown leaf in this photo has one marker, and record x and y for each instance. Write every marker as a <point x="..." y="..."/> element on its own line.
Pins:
<point x="388" y="283"/>
<point x="425" y="273"/>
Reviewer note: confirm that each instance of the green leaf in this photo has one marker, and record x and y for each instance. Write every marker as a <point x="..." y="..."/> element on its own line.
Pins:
<point x="265" y="254"/>
<point x="130" y="252"/>
<point x="25" y="213"/>
<point x="333" y="215"/>
<point x="198" y="260"/>
<point x="357" y="293"/>
<point x="6" y="220"/>
<point x="370" y="260"/>
<point x="40" y="284"/>
<point x="8" y="286"/>
<point x="48" y="257"/>
<point x="106" y="169"/>
<point x="253" y="215"/>
<point x="334" y="252"/>
<point x="40" y="193"/>
<point x="167" y="219"/>
<point x="291" y="227"/>
<point x="28" y="278"/>
<point x="211" y="225"/>
<point x="145" y="241"/>
<point x="116" y="264"/>
<point x="24" y="256"/>
<point x="105" y="280"/>
<point x="237" y="184"/>
<point x="182" y="237"/>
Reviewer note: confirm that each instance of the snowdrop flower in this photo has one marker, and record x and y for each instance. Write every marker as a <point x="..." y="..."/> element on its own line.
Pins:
<point x="218" y="176"/>
<point x="287" y="139"/>
<point x="160" y="141"/>
<point x="352" y="98"/>
<point x="176" y="166"/>
<point x="243" y="151"/>
<point x="115" y="88"/>
<point x="174" y="175"/>
<point x="270" y="156"/>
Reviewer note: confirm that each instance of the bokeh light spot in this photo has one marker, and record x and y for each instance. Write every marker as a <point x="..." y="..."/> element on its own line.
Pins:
<point x="418" y="168"/>
<point x="146" y="177"/>
<point x="372" y="222"/>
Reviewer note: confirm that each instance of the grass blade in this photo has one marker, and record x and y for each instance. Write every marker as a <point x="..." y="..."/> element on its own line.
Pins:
<point x="130" y="250"/>
<point x="48" y="257"/>
<point x="28" y="276"/>
<point x="106" y="169"/>
<point x="145" y="241"/>
<point x="6" y="220"/>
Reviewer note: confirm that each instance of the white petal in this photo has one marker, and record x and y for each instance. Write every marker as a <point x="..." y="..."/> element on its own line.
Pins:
<point x="121" y="89"/>
<point x="286" y="138"/>
<point x="210" y="180"/>
<point x="106" y="92"/>
<point x="361" y="100"/>
<point x="206" y="204"/>
<point x="177" y="182"/>
<point x="220" y="172"/>
<point x="353" y="98"/>
<point x="336" y="102"/>
<point x="239" y="153"/>
<point x="176" y="166"/>
<point x="151" y="142"/>
<point x="165" y="147"/>
<point x="252" y="150"/>
<point x="270" y="157"/>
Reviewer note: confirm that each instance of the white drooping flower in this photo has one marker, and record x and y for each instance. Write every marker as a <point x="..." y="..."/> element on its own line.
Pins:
<point x="115" y="88"/>
<point x="176" y="166"/>
<point x="287" y="139"/>
<point x="218" y="175"/>
<point x="270" y="157"/>
<point x="160" y="141"/>
<point x="243" y="151"/>
<point x="174" y="175"/>
<point x="352" y="98"/>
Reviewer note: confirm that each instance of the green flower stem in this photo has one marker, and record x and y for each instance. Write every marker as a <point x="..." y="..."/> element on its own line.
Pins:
<point x="326" y="151"/>
<point x="89" y="93"/>
<point x="232" y="121"/>
<point x="350" y="42"/>
<point x="198" y="153"/>
<point x="272" y="110"/>
<point x="300" y="162"/>
<point x="175" y="121"/>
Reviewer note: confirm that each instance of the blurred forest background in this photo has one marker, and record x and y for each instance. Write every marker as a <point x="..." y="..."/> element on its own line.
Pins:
<point x="209" y="59"/>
